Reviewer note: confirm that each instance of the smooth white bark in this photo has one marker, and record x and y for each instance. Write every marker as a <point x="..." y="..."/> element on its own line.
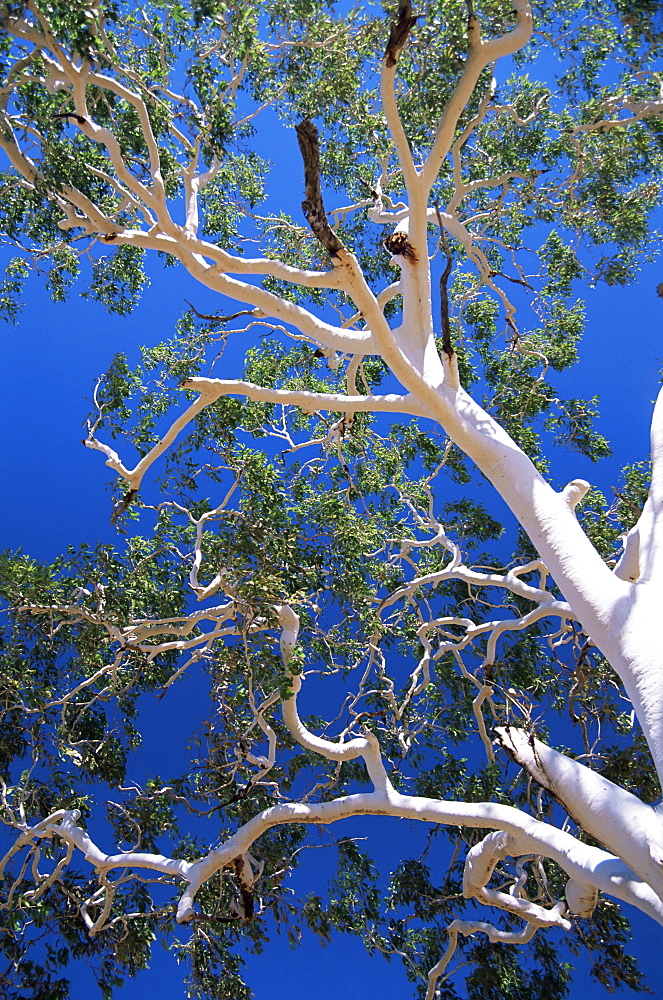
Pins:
<point x="619" y="611"/>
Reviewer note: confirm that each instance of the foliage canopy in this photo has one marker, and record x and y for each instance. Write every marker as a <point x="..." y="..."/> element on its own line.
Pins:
<point x="307" y="523"/>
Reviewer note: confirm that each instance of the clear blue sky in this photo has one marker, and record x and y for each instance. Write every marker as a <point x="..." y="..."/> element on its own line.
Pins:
<point x="52" y="494"/>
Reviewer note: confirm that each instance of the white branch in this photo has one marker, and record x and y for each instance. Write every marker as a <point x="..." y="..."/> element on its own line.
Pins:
<point x="480" y="55"/>
<point x="628" y="827"/>
<point x="212" y="389"/>
<point x="584" y="864"/>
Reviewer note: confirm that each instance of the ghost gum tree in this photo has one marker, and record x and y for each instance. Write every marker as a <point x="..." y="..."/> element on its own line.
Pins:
<point x="306" y="533"/>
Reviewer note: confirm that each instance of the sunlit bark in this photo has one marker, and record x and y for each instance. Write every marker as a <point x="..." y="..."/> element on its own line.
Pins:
<point x="619" y="611"/>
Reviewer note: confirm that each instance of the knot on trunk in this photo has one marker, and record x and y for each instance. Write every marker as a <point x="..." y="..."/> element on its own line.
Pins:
<point x="398" y="245"/>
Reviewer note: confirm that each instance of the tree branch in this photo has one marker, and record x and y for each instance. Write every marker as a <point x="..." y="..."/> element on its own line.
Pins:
<point x="479" y="56"/>
<point x="628" y="827"/>
<point x="312" y="206"/>
<point x="399" y="32"/>
<point x="584" y="864"/>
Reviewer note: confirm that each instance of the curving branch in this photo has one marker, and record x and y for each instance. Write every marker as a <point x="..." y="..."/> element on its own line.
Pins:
<point x="312" y="206"/>
<point x="480" y="55"/>
<point x="212" y="389"/>
<point x="584" y="864"/>
<point x="588" y="868"/>
<point x="627" y="826"/>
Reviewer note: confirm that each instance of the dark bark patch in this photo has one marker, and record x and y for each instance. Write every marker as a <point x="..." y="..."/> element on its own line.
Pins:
<point x="312" y="206"/>
<point x="400" y="29"/>
<point x="398" y="245"/>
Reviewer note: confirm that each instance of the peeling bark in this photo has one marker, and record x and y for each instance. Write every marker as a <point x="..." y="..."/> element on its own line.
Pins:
<point x="620" y="611"/>
<point x="312" y="206"/>
<point x="399" y="32"/>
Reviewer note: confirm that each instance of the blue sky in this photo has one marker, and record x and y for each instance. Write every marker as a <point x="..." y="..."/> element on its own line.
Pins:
<point x="53" y="494"/>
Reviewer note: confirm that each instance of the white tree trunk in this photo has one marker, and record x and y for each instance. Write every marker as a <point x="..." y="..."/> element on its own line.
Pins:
<point x="620" y="611"/>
